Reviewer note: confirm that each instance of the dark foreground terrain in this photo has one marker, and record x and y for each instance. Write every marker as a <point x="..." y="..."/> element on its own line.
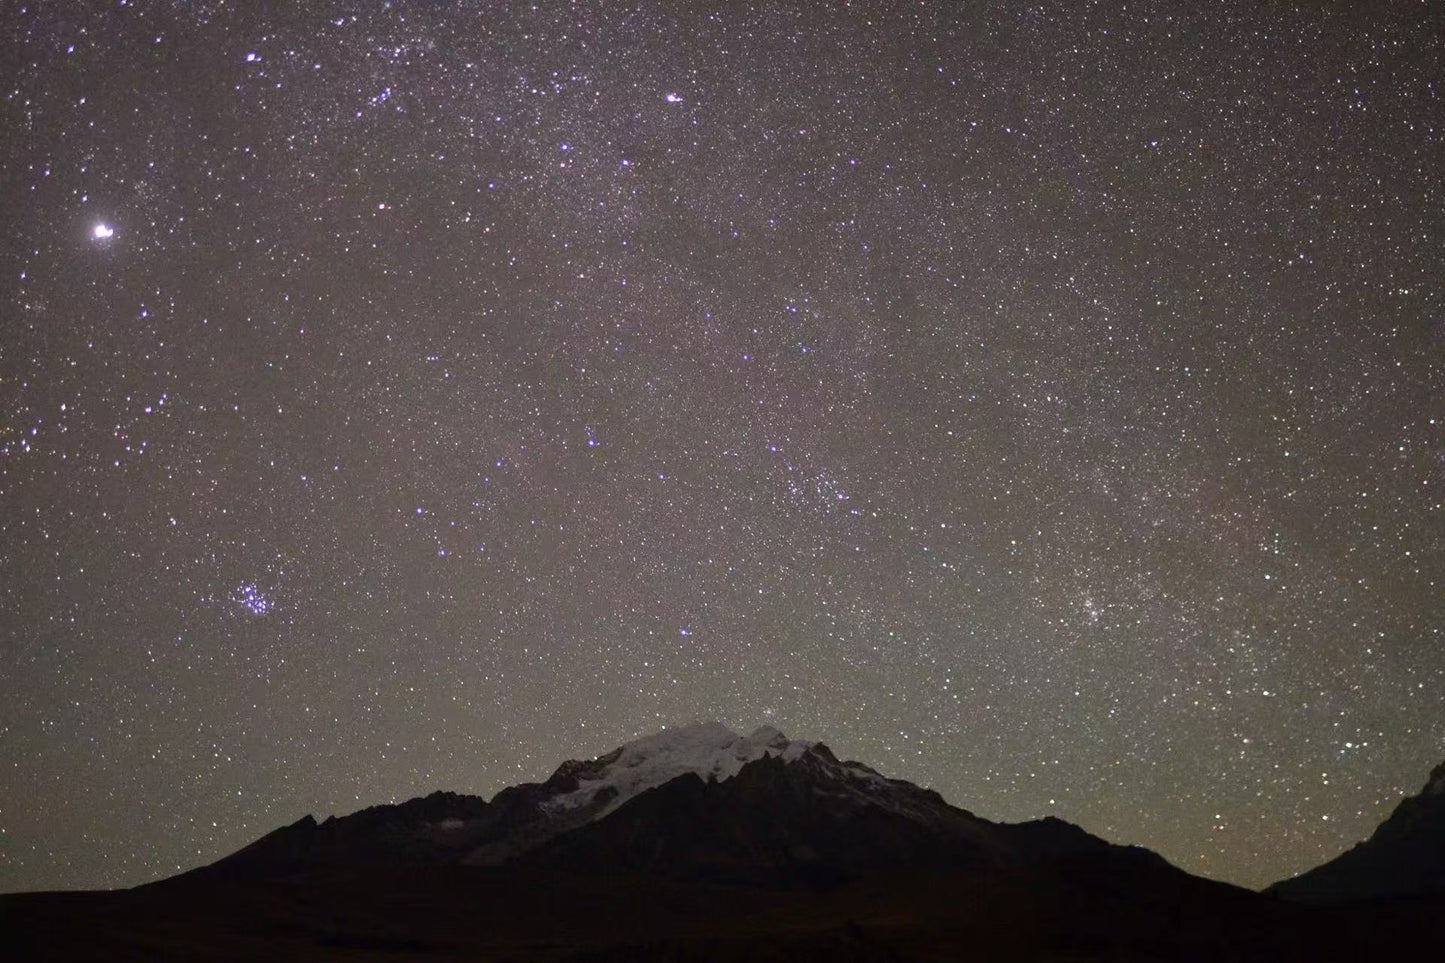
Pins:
<point x="1072" y="910"/>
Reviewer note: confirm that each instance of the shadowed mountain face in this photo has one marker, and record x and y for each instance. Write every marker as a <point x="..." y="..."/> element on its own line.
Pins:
<point x="1404" y="857"/>
<point x="699" y="844"/>
<point x="811" y="821"/>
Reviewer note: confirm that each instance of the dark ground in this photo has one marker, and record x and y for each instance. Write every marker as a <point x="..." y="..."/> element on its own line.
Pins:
<point x="1073" y="911"/>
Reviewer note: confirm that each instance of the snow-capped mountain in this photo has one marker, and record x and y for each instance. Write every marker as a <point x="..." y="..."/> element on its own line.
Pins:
<point x="709" y="750"/>
<point x="1405" y="856"/>
<point x="700" y="843"/>
<point x="700" y="800"/>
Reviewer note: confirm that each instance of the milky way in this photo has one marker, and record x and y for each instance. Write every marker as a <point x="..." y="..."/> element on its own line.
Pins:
<point x="1044" y="403"/>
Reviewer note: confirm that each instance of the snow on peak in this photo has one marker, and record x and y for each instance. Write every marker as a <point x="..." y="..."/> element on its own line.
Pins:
<point x="709" y="749"/>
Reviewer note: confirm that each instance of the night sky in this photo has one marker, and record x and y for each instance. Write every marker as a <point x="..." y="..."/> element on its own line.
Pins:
<point x="1043" y="403"/>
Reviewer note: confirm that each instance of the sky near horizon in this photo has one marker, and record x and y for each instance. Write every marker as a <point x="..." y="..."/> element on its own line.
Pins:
<point x="1042" y="403"/>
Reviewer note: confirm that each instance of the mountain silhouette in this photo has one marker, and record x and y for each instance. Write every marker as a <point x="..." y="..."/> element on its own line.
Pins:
<point x="697" y="802"/>
<point x="1404" y="857"/>
<point x="699" y="843"/>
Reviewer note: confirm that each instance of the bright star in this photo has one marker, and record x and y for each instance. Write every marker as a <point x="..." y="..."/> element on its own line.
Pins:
<point x="103" y="231"/>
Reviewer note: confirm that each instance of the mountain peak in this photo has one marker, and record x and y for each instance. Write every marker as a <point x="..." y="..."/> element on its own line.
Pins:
<point x="710" y="750"/>
<point x="1436" y="785"/>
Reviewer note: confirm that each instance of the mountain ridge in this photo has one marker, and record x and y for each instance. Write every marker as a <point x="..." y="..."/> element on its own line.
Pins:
<point x="826" y="819"/>
<point x="1403" y="857"/>
<point x="603" y="806"/>
<point x="704" y="844"/>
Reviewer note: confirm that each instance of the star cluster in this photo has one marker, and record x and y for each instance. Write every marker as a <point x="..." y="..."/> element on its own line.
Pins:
<point x="1040" y="402"/>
